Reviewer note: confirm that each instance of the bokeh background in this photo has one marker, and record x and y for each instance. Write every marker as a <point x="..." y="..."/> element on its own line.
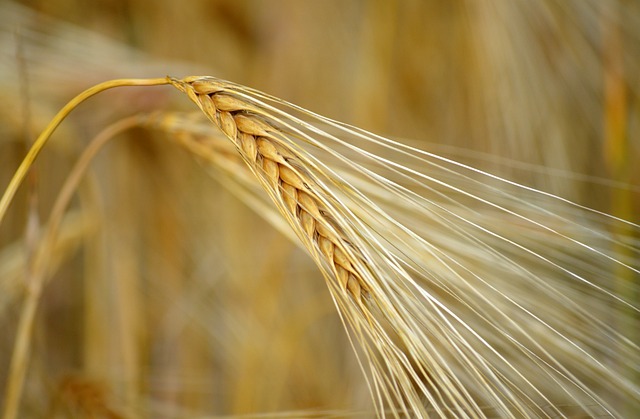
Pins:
<point x="168" y="297"/>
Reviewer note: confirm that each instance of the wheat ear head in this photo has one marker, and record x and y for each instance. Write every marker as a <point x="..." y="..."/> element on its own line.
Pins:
<point x="281" y="170"/>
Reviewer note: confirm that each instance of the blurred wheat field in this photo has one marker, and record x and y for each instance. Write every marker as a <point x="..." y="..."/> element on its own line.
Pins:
<point x="173" y="293"/>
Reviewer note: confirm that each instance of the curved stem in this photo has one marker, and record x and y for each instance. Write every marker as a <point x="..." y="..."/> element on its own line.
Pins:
<point x="24" y="167"/>
<point x="19" y="361"/>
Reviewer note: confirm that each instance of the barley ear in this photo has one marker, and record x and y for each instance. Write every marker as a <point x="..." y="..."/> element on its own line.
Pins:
<point x="282" y="172"/>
